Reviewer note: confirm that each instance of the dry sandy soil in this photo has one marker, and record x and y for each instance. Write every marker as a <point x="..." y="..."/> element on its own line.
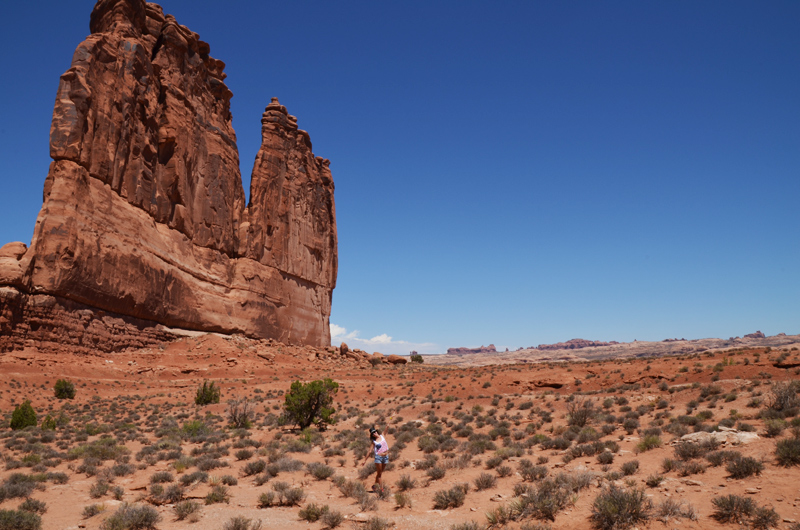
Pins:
<point x="145" y="400"/>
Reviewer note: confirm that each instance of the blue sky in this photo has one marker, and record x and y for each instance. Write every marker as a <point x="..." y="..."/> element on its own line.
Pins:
<point x="512" y="173"/>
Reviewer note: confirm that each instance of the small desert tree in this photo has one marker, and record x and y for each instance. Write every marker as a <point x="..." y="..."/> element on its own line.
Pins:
<point x="64" y="389"/>
<point x="207" y="393"/>
<point x="310" y="403"/>
<point x="23" y="416"/>
<point x="416" y="358"/>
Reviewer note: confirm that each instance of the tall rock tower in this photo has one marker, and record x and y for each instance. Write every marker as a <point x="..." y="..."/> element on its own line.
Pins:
<point x="144" y="222"/>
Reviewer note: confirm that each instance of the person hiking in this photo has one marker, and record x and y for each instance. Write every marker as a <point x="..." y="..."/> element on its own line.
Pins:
<point x="380" y="448"/>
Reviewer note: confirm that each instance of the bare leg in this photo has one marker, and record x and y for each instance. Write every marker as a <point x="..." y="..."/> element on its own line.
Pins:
<point x="379" y="472"/>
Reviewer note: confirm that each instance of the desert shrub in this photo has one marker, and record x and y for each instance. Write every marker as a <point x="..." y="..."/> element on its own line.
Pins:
<point x="616" y="508"/>
<point x="543" y="501"/>
<point x="744" y="466"/>
<point x="499" y="517"/>
<point x="687" y="450"/>
<point x="630" y="467"/>
<point x="161" y="477"/>
<point x="92" y="510"/>
<point x="579" y="411"/>
<point x="493" y="462"/>
<point x="787" y="452"/>
<point x="23" y="416"/>
<point x="428" y="444"/>
<point x="33" y="506"/>
<point x="207" y="393"/>
<point x="435" y="473"/>
<point x="504" y="471"/>
<point x="312" y="512"/>
<point x="19" y="520"/>
<point x="132" y="517"/>
<point x="366" y="502"/>
<point x="17" y="485"/>
<point x="376" y="523"/>
<point x="241" y="522"/>
<point x="654" y="480"/>
<point x="229" y="480"/>
<point x="197" y="476"/>
<point x="774" y="427"/>
<point x="485" y="481"/>
<point x="416" y="358"/>
<point x="243" y="454"/>
<point x="648" y="442"/>
<point x="310" y="403"/>
<point x="98" y="489"/>
<point x="630" y="425"/>
<point x="266" y="499"/>
<point x="101" y="449"/>
<point x="691" y="468"/>
<point x="732" y="508"/>
<point x="254" y="468"/>
<point x="405" y="483"/>
<point x="452" y="498"/>
<point x="402" y="500"/>
<point x="783" y="400"/>
<point x="64" y="389"/>
<point x="288" y="496"/>
<point x="332" y="519"/>
<point x="717" y="458"/>
<point x="764" y="518"/>
<point x="672" y="509"/>
<point x="605" y="458"/>
<point x="530" y="472"/>
<point x="240" y="412"/>
<point x="218" y="494"/>
<point x="320" y="471"/>
<point x="184" y="509"/>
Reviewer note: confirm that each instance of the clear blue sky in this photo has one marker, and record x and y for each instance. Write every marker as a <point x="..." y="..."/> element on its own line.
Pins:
<point x="513" y="173"/>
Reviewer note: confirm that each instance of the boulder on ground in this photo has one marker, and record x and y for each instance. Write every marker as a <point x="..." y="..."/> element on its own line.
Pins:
<point x="396" y="359"/>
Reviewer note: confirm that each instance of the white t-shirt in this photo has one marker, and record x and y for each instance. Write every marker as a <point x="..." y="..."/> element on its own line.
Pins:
<point x="381" y="447"/>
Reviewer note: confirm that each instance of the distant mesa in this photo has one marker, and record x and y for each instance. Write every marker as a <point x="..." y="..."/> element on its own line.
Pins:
<point x="144" y="222"/>
<point x="756" y="335"/>
<point x="574" y="344"/>
<point x="468" y="351"/>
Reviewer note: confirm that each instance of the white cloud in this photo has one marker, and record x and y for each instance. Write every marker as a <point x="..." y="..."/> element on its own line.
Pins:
<point x="383" y="338"/>
<point x="383" y="343"/>
<point x="337" y="331"/>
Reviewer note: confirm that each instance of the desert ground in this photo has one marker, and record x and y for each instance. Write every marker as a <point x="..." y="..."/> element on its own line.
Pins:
<point x="517" y="445"/>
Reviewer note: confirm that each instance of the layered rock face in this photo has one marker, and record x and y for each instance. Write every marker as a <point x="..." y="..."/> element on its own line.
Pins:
<point x="144" y="218"/>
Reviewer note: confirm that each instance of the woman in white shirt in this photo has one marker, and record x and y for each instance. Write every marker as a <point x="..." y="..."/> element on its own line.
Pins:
<point x="380" y="448"/>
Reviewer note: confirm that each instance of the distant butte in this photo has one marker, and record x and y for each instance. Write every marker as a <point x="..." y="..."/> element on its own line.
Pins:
<point x="144" y="223"/>
<point x="469" y="351"/>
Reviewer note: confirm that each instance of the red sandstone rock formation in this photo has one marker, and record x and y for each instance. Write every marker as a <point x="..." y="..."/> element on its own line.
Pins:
<point x="574" y="344"/>
<point x="467" y="351"/>
<point x="144" y="218"/>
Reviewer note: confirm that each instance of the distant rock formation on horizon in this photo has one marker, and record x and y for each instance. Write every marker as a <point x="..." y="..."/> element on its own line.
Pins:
<point x="756" y="335"/>
<point x="573" y="344"/>
<point x="144" y="222"/>
<point x="467" y="351"/>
